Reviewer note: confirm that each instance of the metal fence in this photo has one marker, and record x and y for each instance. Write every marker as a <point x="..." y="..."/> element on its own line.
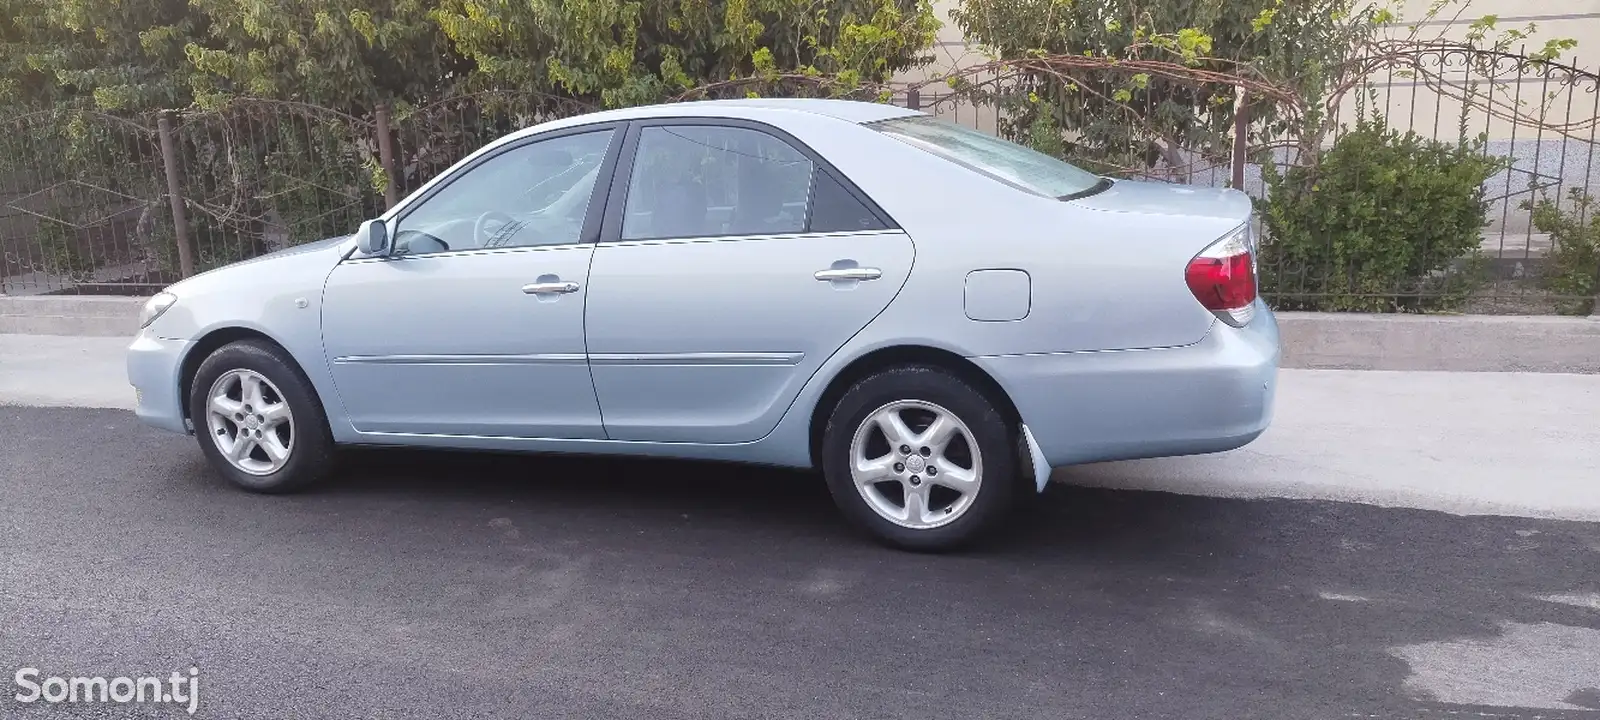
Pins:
<point x="1539" y="118"/>
<point x="95" y="203"/>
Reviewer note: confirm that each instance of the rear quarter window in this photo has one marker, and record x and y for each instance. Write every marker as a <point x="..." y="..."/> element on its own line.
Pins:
<point x="834" y="209"/>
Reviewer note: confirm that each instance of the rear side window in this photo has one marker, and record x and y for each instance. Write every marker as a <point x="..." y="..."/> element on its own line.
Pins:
<point x="1016" y="165"/>
<point x="834" y="209"/>
<point x="708" y="180"/>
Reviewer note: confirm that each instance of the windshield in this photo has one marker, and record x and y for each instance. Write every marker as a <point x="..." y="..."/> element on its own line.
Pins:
<point x="1007" y="161"/>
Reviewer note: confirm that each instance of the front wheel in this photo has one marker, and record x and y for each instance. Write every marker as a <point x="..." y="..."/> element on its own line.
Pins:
<point x="920" y="459"/>
<point x="258" y="419"/>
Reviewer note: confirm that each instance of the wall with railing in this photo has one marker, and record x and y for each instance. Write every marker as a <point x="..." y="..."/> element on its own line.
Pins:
<point x="100" y="203"/>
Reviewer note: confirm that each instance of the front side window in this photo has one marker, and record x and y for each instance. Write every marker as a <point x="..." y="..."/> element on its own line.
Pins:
<point x="707" y="181"/>
<point x="534" y="194"/>
<point x="1007" y="161"/>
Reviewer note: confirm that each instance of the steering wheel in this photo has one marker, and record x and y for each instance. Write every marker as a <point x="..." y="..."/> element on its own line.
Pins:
<point x="481" y="231"/>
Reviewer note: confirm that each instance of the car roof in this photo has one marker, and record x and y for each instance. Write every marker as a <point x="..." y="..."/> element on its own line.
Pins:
<point x="851" y="111"/>
<point x="773" y="110"/>
<point x="854" y="111"/>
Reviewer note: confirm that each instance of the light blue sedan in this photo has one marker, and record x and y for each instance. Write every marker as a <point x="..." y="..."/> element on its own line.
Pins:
<point x="931" y="316"/>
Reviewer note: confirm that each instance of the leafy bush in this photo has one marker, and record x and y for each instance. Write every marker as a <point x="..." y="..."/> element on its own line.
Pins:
<point x="276" y="140"/>
<point x="351" y="55"/>
<point x="1374" y="223"/>
<point x="1575" y="251"/>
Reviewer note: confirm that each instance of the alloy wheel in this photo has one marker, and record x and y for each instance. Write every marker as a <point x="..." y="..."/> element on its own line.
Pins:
<point x="250" y="422"/>
<point x="916" y="464"/>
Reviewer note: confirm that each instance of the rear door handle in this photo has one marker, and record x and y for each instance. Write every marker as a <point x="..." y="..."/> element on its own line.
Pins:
<point x="550" y="288"/>
<point x="857" y="273"/>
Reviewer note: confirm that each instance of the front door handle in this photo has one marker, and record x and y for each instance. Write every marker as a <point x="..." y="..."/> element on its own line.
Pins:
<point x="550" y="288"/>
<point x="855" y="273"/>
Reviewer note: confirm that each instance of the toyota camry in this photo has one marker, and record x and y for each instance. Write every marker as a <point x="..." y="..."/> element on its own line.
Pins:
<point x="931" y="316"/>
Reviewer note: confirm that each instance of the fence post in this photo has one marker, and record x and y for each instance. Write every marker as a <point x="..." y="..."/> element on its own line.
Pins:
<point x="1594" y="310"/>
<point x="913" y="99"/>
<point x="391" y="192"/>
<point x="1241" y="136"/>
<point x="180" y="218"/>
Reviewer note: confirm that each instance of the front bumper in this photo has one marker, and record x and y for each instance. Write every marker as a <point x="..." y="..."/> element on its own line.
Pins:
<point x="1085" y="407"/>
<point x="154" y="370"/>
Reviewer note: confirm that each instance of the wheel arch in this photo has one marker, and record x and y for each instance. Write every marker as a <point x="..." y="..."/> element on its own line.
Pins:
<point x="210" y="343"/>
<point x="897" y="356"/>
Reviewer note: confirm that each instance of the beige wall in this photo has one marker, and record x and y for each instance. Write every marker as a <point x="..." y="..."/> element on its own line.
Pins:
<point x="1578" y="19"/>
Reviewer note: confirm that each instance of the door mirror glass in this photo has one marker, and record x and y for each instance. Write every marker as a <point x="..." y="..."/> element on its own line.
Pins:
<point x="373" y="238"/>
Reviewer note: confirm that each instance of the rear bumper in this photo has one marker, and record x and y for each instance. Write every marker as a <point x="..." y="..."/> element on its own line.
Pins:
<point x="153" y="370"/>
<point x="1084" y="407"/>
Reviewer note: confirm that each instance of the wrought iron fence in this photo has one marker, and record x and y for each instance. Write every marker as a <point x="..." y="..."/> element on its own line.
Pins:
<point x="125" y="204"/>
<point x="93" y="203"/>
<point x="96" y="203"/>
<point x="1537" y="250"/>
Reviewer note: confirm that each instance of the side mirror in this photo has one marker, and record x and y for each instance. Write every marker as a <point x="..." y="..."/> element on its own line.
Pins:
<point x="372" y="238"/>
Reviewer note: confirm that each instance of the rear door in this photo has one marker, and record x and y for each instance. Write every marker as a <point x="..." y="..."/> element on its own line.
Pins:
<point x="734" y="261"/>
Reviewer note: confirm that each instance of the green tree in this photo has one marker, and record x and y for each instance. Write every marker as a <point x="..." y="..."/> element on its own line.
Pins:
<point x="1159" y="76"/>
<point x="350" y="55"/>
<point x="347" y="55"/>
<point x="1126" y="119"/>
<point x="109" y="54"/>
<point x="625" y="52"/>
<point x="276" y="135"/>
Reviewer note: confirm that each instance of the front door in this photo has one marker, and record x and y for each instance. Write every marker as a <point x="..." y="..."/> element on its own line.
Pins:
<point x="474" y="324"/>
<point x="740" y="265"/>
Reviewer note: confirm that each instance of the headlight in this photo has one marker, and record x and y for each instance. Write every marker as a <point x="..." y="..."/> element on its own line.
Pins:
<point x="154" y="307"/>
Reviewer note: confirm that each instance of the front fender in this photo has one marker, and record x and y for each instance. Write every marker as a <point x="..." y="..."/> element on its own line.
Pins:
<point x="279" y="298"/>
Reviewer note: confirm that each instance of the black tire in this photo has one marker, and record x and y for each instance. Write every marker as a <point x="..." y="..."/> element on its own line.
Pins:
<point x="994" y="436"/>
<point x="311" y="452"/>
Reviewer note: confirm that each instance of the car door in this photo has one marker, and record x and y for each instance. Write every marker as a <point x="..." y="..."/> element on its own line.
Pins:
<point x="473" y="325"/>
<point x="733" y="263"/>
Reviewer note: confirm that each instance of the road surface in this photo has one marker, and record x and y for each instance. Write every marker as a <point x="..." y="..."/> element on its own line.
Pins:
<point x="473" y="586"/>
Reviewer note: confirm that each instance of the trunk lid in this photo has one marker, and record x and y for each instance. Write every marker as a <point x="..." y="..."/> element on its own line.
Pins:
<point x="1158" y="198"/>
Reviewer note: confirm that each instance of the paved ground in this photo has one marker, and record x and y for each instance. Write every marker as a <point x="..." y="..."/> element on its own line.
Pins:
<point x="58" y="370"/>
<point x="437" y="585"/>
<point x="1502" y="443"/>
<point x="473" y="586"/>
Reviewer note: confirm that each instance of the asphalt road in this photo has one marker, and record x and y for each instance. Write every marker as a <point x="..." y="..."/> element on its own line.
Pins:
<point x="423" y="585"/>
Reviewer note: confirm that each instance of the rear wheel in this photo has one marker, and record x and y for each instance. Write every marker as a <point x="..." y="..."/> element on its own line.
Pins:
<point x="920" y="459"/>
<point x="258" y="419"/>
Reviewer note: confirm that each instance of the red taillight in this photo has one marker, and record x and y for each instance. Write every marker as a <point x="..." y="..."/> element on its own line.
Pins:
<point x="1223" y="278"/>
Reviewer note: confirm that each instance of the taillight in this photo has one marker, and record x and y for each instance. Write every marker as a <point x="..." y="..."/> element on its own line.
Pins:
<point x="1223" y="278"/>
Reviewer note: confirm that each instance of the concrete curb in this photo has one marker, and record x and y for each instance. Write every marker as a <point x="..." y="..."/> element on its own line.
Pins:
<point x="80" y="315"/>
<point x="1344" y="341"/>
<point x="1460" y="343"/>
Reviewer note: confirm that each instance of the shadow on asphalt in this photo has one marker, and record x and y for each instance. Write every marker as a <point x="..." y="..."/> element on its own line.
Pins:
<point x="672" y="589"/>
<point x="1064" y="522"/>
<point x="1289" y="589"/>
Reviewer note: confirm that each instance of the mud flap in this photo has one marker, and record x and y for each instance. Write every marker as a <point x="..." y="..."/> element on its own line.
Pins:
<point x="1036" y="463"/>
